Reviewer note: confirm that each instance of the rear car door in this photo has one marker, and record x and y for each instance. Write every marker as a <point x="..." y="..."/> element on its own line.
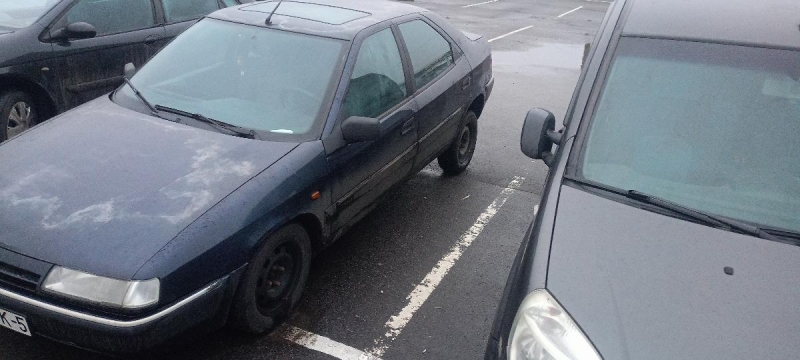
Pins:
<point x="93" y="67"/>
<point x="378" y="88"/>
<point x="179" y="15"/>
<point x="441" y="79"/>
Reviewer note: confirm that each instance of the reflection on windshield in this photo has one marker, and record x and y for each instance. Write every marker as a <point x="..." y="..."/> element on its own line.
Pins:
<point x="18" y="14"/>
<point x="251" y="77"/>
<point x="712" y="127"/>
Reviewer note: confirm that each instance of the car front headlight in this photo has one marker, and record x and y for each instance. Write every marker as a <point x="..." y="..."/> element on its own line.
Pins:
<point x="121" y="294"/>
<point x="543" y="330"/>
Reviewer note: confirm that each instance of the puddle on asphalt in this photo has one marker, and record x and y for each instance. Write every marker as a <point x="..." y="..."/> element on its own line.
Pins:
<point x="531" y="61"/>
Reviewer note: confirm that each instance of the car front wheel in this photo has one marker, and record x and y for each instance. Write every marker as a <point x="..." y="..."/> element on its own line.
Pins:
<point x="273" y="281"/>
<point x="17" y="114"/>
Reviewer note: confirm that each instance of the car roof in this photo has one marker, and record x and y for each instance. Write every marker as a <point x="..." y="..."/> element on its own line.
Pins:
<point x="341" y="19"/>
<point x="769" y="23"/>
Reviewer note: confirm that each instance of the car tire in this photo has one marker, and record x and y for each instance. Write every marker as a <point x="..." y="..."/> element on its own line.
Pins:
<point x="273" y="281"/>
<point x="17" y="113"/>
<point x="458" y="155"/>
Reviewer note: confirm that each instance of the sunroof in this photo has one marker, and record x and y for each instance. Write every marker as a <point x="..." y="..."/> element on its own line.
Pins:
<point x="314" y="12"/>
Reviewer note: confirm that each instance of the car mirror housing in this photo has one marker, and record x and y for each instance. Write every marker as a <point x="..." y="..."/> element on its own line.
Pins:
<point x="539" y="135"/>
<point x="358" y="129"/>
<point x="76" y="30"/>
<point x="129" y="70"/>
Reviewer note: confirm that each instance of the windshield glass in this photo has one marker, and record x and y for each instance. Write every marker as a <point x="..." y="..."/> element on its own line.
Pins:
<point x="709" y="126"/>
<point x="271" y="81"/>
<point x="17" y="14"/>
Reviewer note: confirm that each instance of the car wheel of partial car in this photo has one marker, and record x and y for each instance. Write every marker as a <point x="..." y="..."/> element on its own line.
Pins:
<point x="17" y="114"/>
<point x="458" y="156"/>
<point x="273" y="281"/>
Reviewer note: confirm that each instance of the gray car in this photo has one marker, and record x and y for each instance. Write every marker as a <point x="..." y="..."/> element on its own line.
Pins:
<point x="670" y="222"/>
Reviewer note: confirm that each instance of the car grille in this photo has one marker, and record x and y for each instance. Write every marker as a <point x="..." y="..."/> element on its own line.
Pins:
<point x="17" y="278"/>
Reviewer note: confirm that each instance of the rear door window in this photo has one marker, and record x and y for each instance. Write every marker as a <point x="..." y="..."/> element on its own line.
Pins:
<point x="181" y="10"/>
<point x="378" y="81"/>
<point x="431" y="54"/>
<point x="112" y="16"/>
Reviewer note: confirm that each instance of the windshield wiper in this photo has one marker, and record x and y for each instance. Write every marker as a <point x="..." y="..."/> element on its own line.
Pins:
<point x="236" y="130"/>
<point x="697" y="215"/>
<point x="141" y="97"/>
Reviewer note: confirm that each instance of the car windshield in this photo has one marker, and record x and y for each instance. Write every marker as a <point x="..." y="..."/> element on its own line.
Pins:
<point x="272" y="81"/>
<point x="16" y="14"/>
<point x="709" y="126"/>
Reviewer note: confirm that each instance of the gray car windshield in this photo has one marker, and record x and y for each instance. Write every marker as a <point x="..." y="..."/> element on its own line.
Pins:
<point x="266" y="80"/>
<point x="709" y="126"/>
<point x="17" y="14"/>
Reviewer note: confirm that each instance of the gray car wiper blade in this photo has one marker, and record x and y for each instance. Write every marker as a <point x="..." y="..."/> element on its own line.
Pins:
<point x="699" y="215"/>
<point x="236" y="130"/>
<point x="141" y="97"/>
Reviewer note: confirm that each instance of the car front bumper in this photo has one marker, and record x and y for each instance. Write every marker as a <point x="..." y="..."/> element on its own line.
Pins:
<point x="202" y="311"/>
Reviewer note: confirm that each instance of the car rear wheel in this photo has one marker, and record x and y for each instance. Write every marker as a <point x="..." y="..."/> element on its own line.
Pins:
<point x="17" y="114"/>
<point x="273" y="281"/>
<point x="457" y="157"/>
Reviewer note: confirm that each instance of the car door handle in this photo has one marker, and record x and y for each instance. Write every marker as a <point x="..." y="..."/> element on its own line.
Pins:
<point x="465" y="83"/>
<point x="407" y="127"/>
<point x="152" y="39"/>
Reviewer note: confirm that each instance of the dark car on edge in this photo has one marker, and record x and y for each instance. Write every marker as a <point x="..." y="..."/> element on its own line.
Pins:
<point x="670" y="222"/>
<point x="251" y="142"/>
<point x="58" y="54"/>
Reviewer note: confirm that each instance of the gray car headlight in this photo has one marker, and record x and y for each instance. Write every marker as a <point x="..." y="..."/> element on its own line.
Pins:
<point x="121" y="294"/>
<point x="542" y="330"/>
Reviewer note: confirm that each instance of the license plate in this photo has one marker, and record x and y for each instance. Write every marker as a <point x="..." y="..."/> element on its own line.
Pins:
<point x="14" y="322"/>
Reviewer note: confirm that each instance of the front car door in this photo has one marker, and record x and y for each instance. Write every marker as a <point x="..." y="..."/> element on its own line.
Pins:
<point x="377" y="88"/>
<point x="441" y="78"/>
<point x="93" y="67"/>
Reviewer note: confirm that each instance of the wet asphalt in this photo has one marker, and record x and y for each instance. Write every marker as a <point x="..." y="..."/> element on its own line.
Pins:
<point x="365" y="278"/>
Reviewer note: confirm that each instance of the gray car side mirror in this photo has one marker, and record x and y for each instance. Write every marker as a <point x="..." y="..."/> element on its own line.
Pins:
<point x="129" y="70"/>
<point x="358" y="129"/>
<point x="539" y="135"/>
<point x="76" y="30"/>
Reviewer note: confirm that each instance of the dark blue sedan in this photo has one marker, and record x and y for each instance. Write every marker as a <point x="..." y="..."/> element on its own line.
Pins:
<point x="197" y="193"/>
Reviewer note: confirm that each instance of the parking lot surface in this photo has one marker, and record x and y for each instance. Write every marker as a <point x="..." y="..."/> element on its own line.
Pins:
<point x="421" y="276"/>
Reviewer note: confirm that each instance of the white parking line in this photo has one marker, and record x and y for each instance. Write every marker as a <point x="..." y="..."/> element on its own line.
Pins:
<point x="481" y="3"/>
<point x="511" y="33"/>
<point x="421" y="292"/>
<point x="324" y="345"/>
<point x="569" y="12"/>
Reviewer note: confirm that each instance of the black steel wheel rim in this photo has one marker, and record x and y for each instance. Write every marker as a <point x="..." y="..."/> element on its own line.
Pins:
<point x="465" y="145"/>
<point x="277" y="278"/>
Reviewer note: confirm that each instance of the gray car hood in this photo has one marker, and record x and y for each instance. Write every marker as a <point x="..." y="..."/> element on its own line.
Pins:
<point x="648" y="286"/>
<point x="103" y="188"/>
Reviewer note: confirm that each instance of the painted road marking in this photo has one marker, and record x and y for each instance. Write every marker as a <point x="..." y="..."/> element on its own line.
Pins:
<point x="324" y="345"/>
<point x="511" y="33"/>
<point x="421" y="292"/>
<point x="481" y="3"/>
<point x="569" y="12"/>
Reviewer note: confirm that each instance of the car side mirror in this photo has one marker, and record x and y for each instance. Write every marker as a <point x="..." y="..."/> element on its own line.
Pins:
<point x="539" y="135"/>
<point x="358" y="129"/>
<point x="130" y="70"/>
<point x="76" y="30"/>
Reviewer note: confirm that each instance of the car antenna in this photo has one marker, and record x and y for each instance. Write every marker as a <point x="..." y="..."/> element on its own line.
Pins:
<point x="269" y="18"/>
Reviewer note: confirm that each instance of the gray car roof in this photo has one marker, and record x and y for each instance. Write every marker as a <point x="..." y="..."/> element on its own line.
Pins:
<point x="376" y="11"/>
<point x="771" y="23"/>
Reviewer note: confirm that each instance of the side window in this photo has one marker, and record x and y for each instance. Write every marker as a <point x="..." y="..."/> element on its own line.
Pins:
<point x="430" y="53"/>
<point x="378" y="82"/>
<point x="233" y="2"/>
<point x="112" y="16"/>
<point x="180" y="10"/>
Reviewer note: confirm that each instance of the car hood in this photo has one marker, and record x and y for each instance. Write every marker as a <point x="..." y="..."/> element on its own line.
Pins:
<point x="103" y="188"/>
<point x="647" y="286"/>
